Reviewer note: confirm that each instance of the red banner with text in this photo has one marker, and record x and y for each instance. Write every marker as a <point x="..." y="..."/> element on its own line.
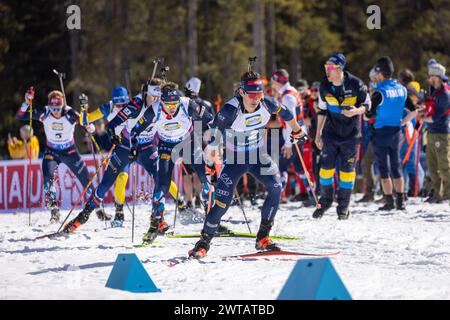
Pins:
<point x="17" y="178"/>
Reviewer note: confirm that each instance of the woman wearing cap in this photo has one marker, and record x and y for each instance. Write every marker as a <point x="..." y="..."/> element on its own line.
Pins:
<point x="59" y="121"/>
<point x="437" y="118"/>
<point x="242" y="121"/>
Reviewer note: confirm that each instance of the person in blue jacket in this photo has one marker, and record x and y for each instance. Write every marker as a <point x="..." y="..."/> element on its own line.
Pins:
<point x="388" y="103"/>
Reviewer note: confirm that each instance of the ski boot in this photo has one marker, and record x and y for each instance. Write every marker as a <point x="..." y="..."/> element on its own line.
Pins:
<point x="54" y="213"/>
<point x="433" y="200"/>
<point x="157" y="227"/>
<point x="388" y="203"/>
<point x="197" y="203"/>
<point x="309" y="203"/>
<point x="201" y="247"/>
<point x="223" y="230"/>
<point x="319" y="212"/>
<point x="52" y="204"/>
<point x="368" y="197"/>
<point x="344" y="215"/>
<point x="400" y="201"/>
<point x="263" y="242"/>
<point x="82" y="218"/>
<point x="300" y="197"/>
<point x="182" y="206"/>
<point x="101" y="214"/>
<point x="283" y="197"/>
<point x="119" y="218"/>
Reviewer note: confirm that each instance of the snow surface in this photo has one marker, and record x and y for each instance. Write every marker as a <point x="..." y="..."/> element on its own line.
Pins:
<point x="395" y="255"/>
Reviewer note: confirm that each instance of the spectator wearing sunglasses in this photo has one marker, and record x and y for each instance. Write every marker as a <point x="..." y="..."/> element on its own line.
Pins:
<point x="343" y="99"/>
<point x="59" y="121"/>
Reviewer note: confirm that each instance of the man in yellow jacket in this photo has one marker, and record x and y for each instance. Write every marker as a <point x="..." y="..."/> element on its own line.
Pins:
<point x="28" y="146"/>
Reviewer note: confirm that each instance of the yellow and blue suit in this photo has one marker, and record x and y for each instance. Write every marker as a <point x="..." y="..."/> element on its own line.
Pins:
<point x="341" y="137"/>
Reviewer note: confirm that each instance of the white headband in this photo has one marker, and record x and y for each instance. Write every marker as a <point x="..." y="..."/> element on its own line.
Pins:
<point x="154" y="91"/>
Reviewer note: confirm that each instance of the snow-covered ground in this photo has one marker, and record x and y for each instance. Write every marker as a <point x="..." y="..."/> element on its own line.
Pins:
<point x="396" y="255"/>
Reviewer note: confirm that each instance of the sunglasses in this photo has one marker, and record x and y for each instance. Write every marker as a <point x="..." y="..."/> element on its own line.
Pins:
<point x="313" y="90"/>
<point x="171" y="105"/>
<point x="331" y="67"/>
<point x="254" y="95"/>
<point x="55" y="109"/>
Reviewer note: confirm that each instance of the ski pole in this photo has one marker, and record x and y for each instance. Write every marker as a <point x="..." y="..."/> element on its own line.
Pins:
<point x="243" y="211"/>
<point x="416" y="176"/>
<point x="408" y="152"/>
<point x="180" y="183"/>
<point x="176" y="210"/>
<point x="30" y="155"/>
<point x="311" y="186"/>
<point x="61" y="76"/>
<point x="94" y="145"/>
<point x="87" y="187"/>
<point x="84" y="105"/>
<point x="155" y="66"/>
<point x="134" y="201"/>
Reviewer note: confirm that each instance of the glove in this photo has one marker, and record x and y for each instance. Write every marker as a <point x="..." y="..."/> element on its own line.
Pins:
<point x="133" y="154"/>
<point x="188" y="93"/>
<point x="115" y="139"/>
<point x="90" y="128"/>
<point x="29" y="95"/>
<point x="83" y="99"/>
<point x="298" y="137"/>
<point x="84" y="102"/>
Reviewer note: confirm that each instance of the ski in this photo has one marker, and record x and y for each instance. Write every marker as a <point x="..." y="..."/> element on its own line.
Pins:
<point x="50" y="235"/>
<point x="281" y="253"/>
<point x="229" y="235"/>
<point x="146" y="245"/>
<point x="264" y="254"/>
<point x="179" y="260"/>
